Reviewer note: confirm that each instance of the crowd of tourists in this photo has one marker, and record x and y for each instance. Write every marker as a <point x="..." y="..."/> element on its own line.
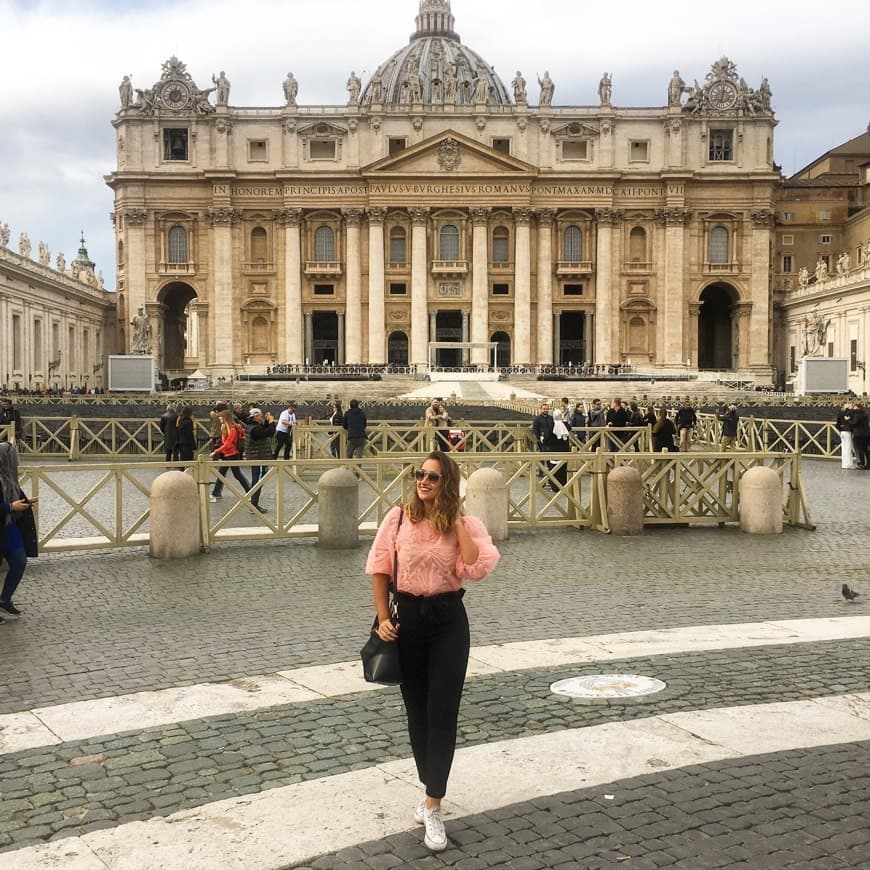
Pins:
<point x="854" y="427"/>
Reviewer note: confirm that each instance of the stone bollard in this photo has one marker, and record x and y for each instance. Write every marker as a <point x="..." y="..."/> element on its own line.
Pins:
<point x="486" y="497"/>
<point x="337" y="503"/>
<point x="174" y="516"/>
<point x="625" y="502"/>
<point x="761" y="502"/>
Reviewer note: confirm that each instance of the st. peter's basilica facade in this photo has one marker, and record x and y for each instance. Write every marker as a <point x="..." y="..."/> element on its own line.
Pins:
<point x="440" y="204"/>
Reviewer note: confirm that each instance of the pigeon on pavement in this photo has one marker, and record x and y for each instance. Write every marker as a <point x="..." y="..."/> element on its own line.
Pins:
<point x="849" y="594"/>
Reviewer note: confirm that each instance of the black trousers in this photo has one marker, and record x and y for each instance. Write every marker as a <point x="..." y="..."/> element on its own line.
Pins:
<point x="433" y="651"/>
<point x="285" y="440"/>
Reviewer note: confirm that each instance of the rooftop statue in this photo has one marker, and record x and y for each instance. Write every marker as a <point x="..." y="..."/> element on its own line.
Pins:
<point x="222" y="86"/>
<point x="376" y="88"/>
<point x="60" y="262"/>
<point x="519" y="86"/>
<point x="605" y="89"/>
<point x="547" y="90"/>
<point x="481" y="87"/>
<point x="676" y="89"/>
<point x="125" y="91"/>
<point x="291" y="89"/>
<point x="4" y="235"/>
<point x="449" y="79"/>
<point x="354" y="86"/>
<point x="44" y="254"/>
<point x="141" y="339"/>
<point x="24" y="247"/>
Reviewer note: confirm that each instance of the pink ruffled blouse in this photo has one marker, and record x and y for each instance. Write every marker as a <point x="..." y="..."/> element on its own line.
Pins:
<point x="429" y="563"/>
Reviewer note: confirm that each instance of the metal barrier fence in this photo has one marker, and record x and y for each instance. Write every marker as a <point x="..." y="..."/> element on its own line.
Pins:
<point x="98" y="506"/>
<point x="819" y="439"/>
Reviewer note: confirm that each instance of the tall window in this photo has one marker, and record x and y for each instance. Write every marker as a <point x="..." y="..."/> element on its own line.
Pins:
<point x="500" y="245"/>
<point x="398" y="246"/>
<point x="448" y="242"/>
<point x="258" y="246"/>
<point x="637" y="245"/>
<point x="324" y="245"/>
<point x="572" y="245"/>
<point x="721" y="145"/>
<point x="719" y="245"/>
<point x="16" y="342"/>
<point x="177" y="245"/>
<point x="786" y="263"/>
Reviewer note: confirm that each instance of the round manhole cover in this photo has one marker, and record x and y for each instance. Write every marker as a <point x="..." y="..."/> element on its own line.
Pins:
<point x="604" y="686"/>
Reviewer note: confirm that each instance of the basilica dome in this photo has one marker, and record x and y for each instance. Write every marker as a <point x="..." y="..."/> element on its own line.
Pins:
<point x="435" y="67"/>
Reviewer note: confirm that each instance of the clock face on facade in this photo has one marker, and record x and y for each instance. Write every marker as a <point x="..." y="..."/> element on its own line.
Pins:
<point x="722" y="95"/>
<point x="175" y="95"/>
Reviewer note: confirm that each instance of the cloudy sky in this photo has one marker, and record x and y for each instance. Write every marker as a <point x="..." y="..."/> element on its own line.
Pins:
<point x="61" y="62"/>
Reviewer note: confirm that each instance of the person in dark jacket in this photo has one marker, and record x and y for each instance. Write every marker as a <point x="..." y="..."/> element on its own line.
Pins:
<point x="844" y="426"/>
<point x="10" y="415"/>
<point x="861" y="435"/>
<point x="258" y="446"/>
<point x="617" y="417"/>
<point x="686" y="421"/>
<point x="577" y="423"/>
<point x="168" y="426"/>
<point x="12" y="504"/>
<point x="663" y="432"/>
<point x="185" y="436"/>
<point x="729" y="419"/>
<point x="542" y="429"/>
<point x="355" y="423"/>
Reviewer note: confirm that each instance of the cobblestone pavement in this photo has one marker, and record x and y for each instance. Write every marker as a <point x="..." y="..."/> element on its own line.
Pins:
<point x="104" y="624"/>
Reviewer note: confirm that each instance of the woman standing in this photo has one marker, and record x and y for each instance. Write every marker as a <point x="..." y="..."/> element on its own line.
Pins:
<point x="663" y="432"/>
<point x="437" y="548"/>
<point x="336" y="418"/>
<point x="230" y="449"/>
<point x="13" y="506"/>
<point x="185" y="438"/>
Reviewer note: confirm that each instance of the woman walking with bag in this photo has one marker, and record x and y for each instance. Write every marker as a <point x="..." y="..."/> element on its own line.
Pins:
<point x="13" y="504"/>
<point x="230" y="449"/>
<point x="437" y="548"/>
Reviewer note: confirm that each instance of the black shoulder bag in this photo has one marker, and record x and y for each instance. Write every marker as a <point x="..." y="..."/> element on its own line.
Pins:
<point x="381" y="659"/>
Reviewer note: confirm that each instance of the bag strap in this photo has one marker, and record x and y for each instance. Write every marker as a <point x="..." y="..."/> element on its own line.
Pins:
<point x="394" y="580"/>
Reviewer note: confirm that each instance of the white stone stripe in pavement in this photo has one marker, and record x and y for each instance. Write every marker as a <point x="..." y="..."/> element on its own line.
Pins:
<point x="81" y="720"/>
<point x="295" y="823"/>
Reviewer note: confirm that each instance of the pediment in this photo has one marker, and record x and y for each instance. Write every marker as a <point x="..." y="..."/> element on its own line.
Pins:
<point x="575" y="130"/>
<point x="449" y="153"/>
<point x="322" y="130"/>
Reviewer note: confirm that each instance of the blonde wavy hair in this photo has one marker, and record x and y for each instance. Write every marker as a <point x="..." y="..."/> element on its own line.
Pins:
<point x="447" y="502"/>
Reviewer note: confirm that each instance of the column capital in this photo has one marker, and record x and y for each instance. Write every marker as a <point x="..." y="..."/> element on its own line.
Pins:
<point x="135" y="217"/>
<point x="287" y="217"/>
<point x="419" y="214"/>
<point x="695" y="308"/>
<point x="522" y="215"/>
<point x="376" y="214"/>
<point x="545" y="216"/>
<point x="673" y="216"/>
<point x="480" y="215"/>
<point x="223" y="217"/>
<point x="609" y="216"/>
<point x="352" y="216"/>
<point x="763" y="218"/>
<point x="742" y="309"/>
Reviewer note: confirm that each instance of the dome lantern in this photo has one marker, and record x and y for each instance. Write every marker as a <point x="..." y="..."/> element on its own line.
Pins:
<point x="435" y="19"/>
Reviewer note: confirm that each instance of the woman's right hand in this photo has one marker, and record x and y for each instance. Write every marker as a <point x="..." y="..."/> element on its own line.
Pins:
<point x="22" y="504"/>
<point x="388" y="632"/>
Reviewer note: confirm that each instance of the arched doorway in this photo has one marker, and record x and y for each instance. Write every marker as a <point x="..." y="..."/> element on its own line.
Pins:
<point x="715" y="327"/>
<point x="503" y="351"/>
<point x="175" y="299"/>
<point x="397" y="349"/>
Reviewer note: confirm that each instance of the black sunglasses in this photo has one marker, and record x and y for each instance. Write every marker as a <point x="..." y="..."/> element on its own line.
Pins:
<point x="434" y="476"/>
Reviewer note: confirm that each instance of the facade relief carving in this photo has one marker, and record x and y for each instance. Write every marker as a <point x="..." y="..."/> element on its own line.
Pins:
<point x="725" y="93"/>
<point x="449" y="155"/>
<point x="673" y="216"/>
<point x="609" y="216"/>
<point x="763" y="218"/>
<point x="287" y="217"/>
<point x="376" y="214"/>
<point x="223" y="217"/>
<point x="135" y="217"/>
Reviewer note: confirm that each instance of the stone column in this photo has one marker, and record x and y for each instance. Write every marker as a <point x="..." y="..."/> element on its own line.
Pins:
<point x="605" y="349"/>
<point x="225" y="315"/>
<point x="353" y="288"/>
<point x="309" y="339"/>
<point x="202" y="347"/>
<point x="759" y="337"/>
<point x="419" y="349"/>
<point x="522" y="343"/>
<point x="588" y="338"/>
<point x="134" y="266"/>
<point x="742" y="325"/>
<point x="674" y="218"/>
<point x="340" y="354"/>
<point x="694" y="314"/>
<point x="466" y="333"/>
<point x="544" y="349"/>
<point x="291" y="219"/>
<point x="480" y="284"/>
<point x="557" y="337"/>
<point x="377" y="315"/>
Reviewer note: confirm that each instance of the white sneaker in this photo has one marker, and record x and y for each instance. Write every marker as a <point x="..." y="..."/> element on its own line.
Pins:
<point x="436" y="836"/>
<point x="419" y="812"/>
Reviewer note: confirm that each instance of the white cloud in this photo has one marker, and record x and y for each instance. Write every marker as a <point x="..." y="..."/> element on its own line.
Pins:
<point x="62" y="61"/>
